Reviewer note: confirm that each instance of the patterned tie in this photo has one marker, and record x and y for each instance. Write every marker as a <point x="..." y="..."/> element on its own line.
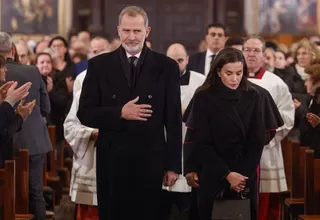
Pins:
<point x="132" y="70"/>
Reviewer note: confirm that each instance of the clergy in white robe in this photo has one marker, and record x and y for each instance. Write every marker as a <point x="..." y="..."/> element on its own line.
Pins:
<point x="179" y="193"/>
<point x="82" y="139"/>
<point x="272" y="175"/>
<point x="79" y="137"/>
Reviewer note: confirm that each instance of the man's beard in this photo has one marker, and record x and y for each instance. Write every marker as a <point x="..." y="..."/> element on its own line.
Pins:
<point x="134" y="49"/>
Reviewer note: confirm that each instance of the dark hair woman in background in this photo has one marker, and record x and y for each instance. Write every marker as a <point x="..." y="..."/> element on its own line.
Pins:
<point x="61" y="94"/>
<point x="310" y="115"/>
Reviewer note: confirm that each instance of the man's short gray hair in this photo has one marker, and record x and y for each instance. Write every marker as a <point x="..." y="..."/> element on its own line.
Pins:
<point x="258" y="37"/>
<point x="133" y="11"/>
<point x="5" y="43"/>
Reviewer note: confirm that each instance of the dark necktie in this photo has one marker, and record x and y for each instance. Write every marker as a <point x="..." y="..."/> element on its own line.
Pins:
<point x="212" y="59"/>
<point x="132" y="70"/>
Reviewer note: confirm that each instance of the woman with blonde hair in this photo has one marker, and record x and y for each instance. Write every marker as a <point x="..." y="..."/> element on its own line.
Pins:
<point x="305" y="55"/>
<point x="309" y="115"/>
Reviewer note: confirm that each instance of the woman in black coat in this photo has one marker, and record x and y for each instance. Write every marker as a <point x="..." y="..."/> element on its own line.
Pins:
<point x="310" y="116"/>
<point x="228" y="134"/>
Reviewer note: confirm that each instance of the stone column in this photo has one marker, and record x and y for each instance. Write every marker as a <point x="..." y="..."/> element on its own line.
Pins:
<point x="96" y="25"/>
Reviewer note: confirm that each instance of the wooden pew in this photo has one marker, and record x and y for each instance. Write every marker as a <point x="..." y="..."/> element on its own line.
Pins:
<point x="47" y="189"/>
<point x="22" y="185"/>
<point x="294" y="205"/>
<point x="67" y="161"/>
<point x="286" y="147"/>
<point x="63" y="171"/>
<point x="312" y="187"/>
<point x="51" y="178"/>
<point x="7" y="177"/>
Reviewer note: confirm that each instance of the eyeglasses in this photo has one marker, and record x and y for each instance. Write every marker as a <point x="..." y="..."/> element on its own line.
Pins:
<point x="249" y="50"/>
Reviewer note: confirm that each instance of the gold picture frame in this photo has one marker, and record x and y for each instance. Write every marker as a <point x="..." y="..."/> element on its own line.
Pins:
<point x="64" y="17"/>
<point x="256" y="18"/>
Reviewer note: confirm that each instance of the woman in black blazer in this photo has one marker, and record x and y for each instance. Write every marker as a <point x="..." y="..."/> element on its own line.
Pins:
<point x="228" y="134"/>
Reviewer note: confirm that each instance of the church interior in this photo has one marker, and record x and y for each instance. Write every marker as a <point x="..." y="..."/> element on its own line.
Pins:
<point x="67" y="34"/>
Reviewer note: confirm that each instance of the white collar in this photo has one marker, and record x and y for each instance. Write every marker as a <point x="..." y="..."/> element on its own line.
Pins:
<point x="301" y="72"/>
<point x="184" y="72"/>
<point x="137" y="55"/>
<point x="209" y="53"/>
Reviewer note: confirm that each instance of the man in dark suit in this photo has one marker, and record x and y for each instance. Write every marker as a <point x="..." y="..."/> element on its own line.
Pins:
<point x="11" y="121"/>
<point x="33" y="135"/>
<point x="215" y="38"/>
<point x="132" y="95"/>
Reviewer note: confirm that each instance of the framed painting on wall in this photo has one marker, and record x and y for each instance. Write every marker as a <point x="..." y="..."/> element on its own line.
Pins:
<point x="29" y="16"/>
<point x="297" y="17"/>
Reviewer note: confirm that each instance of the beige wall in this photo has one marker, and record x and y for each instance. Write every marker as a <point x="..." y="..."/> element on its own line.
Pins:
<point x="250" y="23"/>
<point x="65" y="17"/>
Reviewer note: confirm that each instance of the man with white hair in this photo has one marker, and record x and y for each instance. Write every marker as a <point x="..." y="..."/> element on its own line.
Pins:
<point x="272" y="175"/>
<point x="34" y="134"/>
<point x="82" y="141"/>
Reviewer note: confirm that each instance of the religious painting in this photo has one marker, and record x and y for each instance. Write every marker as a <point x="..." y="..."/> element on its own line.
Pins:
<point x="288" y="16"/>
<point x="29" y="16"/>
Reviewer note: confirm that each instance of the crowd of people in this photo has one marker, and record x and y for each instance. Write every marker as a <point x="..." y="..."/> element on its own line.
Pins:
<point x="151" y="131"/>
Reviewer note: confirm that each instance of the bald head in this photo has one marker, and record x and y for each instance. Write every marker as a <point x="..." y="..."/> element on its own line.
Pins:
<point x="98" y="45"/>
<point x="41" y="46"/>
<point x="178" y="53"/>
<point x="175" y="49"/>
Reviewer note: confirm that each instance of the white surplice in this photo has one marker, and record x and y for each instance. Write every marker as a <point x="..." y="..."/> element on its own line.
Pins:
<point x="272" y="175"/>
<point x="186" y="94"/>
<point x="83" y="174"/>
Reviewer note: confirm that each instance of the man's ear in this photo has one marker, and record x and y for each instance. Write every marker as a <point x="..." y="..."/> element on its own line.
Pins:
<point x="148" y="31"/>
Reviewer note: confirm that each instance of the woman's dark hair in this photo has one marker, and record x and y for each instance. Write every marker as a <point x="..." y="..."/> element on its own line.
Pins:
<point x="286" y="55"/>
<point x="232" y="41"/>
<point x="40" y="54"/>
<point x="67" y="57"/>
<point x="225" y="56"/>
<point x="2" y="61"/>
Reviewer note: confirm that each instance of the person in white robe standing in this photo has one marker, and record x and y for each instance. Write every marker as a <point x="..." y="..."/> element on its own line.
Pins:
<point x="82" y="141"/>
<point x="180" y="193"/>
<point x="272" y="174"/>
